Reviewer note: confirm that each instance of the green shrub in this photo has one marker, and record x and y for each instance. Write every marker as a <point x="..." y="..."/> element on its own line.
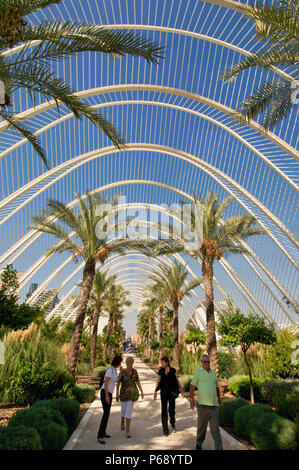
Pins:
<point x="246" y="416"/>
<point x="225" y="360"/>
<point x="286" y="405"/>
<point x="241" y="388"/>
<point x="19" y="438"/>
<point x="272" y="432"/>
<point x="25" y="346"/>
<point x="99" y="371"/>
<point x="84" y="393"/>
<point x="69" y="409"/>
<point x="185" y="381"/>
<point x="48" y="422"/>
<point x="33" y="381"/>
<point x="228" y="408"/>
<point x="278" y="357"/>
<point x="146" y="360"/>
<point x="270" y="387"/>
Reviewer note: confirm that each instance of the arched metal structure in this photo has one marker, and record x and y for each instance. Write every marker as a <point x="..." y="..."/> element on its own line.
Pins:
<point x="177" y="120"/>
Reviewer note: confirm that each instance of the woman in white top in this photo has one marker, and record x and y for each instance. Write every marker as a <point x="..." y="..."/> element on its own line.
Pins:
<point x="107" y="390"/>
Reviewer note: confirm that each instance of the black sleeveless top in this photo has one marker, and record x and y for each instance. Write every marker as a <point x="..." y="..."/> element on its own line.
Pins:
<point x="168" y="381"/>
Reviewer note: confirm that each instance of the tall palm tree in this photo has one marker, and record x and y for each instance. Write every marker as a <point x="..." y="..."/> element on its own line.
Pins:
<point x="148" y="308"/>
<point x="85" y="244"/>
<point x="215" y="238"/>
<point x="116" y="300"/>
<point x="30" y="66"/>
<point x="278" y="25"/>
<point x="160" y="301"/>
<point x="101" y="285"/>
<point x="170" y="283"/>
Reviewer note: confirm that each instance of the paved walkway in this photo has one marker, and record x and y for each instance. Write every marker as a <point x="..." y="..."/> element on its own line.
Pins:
<point x="146" y="428"/>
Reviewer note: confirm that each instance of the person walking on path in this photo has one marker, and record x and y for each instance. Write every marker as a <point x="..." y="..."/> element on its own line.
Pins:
<point x="208" y="402"/>
<point x="129" y="381"/>
<point x="169" y="387"/>
<point x="107" y="390"/>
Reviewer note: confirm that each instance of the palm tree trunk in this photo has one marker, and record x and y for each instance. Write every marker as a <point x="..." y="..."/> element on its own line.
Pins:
<point x="176" y="346"/>
<point x="207" y="271"/>
<point x="93" y="348"/>
<point x="151" y="335"/>
<point x="88" y="276"/>
<point x="108" y="333"/>
<point x="160" y="332"/>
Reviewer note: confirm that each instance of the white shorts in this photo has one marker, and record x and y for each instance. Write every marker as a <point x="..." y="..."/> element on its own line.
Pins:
<point x="126" y="409"/>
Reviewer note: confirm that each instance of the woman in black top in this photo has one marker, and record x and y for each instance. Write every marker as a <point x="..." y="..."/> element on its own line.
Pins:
<point x="169" y="387"/>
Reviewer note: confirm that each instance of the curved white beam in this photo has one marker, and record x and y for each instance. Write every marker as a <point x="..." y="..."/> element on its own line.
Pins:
<point x="216" y="174"/>
<point x="160" y="89"/>
<point x="58" y="121"/>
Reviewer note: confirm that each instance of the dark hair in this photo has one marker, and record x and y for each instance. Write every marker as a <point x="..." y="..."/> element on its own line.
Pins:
<point x="165" y="359"/>
<point x="117" y="360"/>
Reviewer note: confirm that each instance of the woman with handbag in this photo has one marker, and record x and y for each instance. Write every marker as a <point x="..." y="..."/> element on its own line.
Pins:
<point x="169" y="387"/>
<point x="129" y="381"/>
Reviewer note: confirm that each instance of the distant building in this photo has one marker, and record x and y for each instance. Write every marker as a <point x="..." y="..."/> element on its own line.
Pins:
<point x="43" y="297"/>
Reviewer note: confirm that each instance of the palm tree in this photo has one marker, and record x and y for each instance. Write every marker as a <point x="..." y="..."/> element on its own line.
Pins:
<point x="86" y="245"/>
<point x="160" y="301"/>
<point x="216" y="238"/>
<point x="116" y="300"/>
<point x="148" y="309"/>
<point x="30" y="66"/>
<point x="101" y="285"/>
<point x="278" y="25"/>
<point x="170" y="283"/>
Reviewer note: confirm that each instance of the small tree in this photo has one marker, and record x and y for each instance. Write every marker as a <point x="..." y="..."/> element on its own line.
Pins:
<point x="241" y="330"/>
<point x="9" y="282"/>
<point x="195" y="337"/>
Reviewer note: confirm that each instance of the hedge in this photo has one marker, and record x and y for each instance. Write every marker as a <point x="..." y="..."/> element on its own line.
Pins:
<point x="270" y="387"/>
<point x="48" y="422"/>
<point x="264" y="428"/>
<point x="99" y="371"/>
<point x="241" y="388"/>
<point x="228" y="408"/>
<point x="69" y="409"/>
<point x="19" y="438"/>
<point x="185" y="381"/>
<point x="84" y="393"/>
<point x="286" y="405"/>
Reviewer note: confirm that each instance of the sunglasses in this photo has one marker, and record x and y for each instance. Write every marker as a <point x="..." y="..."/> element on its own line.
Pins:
<point x="206" y="362"/>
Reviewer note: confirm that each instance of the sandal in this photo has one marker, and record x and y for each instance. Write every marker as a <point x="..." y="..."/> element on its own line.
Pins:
<point x="101" y="441"/>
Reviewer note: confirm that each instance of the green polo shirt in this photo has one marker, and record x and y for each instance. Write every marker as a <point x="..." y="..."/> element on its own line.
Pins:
<point x="206" y="383"/>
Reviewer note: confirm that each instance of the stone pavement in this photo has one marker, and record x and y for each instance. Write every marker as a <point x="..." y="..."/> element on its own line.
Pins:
<point x="146" y="428"/>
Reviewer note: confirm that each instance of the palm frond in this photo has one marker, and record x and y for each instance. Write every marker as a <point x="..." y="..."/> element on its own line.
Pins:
<point x="16" y="125"/>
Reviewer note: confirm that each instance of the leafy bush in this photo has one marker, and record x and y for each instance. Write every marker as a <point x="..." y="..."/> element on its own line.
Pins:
<point x="185" y="381"/>
<point x="278" y="358"/>
<point x="146" y="360"/>
<point x="270" y="387"/>
<point x="69" y="409"/>
<point x="99" y="371"/>
<point x="286" y="405"/>
<point x="19" y="438"/>
<point x="228" y="408"/>
<point x="241" y="388"/>
<point x="25" y="346"/>
<point x="246" y="416"/>
<point x="63" y="385"/>
<point x="48" y="422"/>
<point x="33" y="381"/>
<point x="225" y="360"/>
<point x="84" y="393"/>
<point x="264" y="428"/>
<point x="189" y="361"/>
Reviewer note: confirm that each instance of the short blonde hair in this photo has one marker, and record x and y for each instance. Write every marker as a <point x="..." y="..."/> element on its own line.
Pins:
<point x="129" y="360"/>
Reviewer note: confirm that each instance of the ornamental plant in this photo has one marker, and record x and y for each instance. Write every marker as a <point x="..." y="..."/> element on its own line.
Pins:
<point x="241" y="330"/>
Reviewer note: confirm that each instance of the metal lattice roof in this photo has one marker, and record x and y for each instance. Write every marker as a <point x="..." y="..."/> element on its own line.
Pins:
<point x="176" y="119"/>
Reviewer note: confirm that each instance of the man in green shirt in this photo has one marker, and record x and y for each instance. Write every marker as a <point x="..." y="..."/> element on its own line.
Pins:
<point x="208" y="402"/>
